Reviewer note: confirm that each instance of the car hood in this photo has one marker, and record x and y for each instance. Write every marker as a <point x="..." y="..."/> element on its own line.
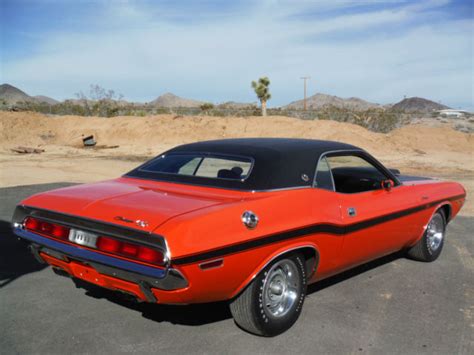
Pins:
<point x="125" y="202"/>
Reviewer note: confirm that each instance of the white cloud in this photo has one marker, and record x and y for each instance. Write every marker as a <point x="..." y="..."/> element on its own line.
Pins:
<point x="142" y="53"/>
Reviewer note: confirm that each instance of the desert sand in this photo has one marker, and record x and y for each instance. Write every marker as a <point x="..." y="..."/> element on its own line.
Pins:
<point x="439" y="152"/>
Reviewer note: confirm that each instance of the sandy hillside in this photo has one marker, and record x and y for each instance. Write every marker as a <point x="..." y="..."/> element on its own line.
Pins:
<point x="434" y="151"/>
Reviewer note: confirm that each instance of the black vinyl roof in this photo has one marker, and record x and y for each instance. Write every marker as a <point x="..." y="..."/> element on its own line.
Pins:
<point x="278" y="162"/>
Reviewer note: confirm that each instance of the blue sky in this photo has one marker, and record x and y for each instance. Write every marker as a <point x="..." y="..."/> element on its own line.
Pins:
<point x="211" y="50"/>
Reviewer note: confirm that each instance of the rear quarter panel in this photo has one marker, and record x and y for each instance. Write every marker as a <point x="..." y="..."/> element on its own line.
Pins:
<point x="208" y="229"/>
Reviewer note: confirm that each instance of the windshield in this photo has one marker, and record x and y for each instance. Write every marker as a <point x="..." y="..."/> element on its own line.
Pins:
<point x="201" y="165"/>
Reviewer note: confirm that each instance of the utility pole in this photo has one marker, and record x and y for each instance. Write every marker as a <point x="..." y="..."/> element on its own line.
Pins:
<point x="304" y="101"/>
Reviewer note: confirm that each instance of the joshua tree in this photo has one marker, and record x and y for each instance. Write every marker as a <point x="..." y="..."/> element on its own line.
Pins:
<point x="263" y="92"/>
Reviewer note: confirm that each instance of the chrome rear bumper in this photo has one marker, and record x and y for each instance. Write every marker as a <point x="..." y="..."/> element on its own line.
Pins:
<point x="145" y="276"/>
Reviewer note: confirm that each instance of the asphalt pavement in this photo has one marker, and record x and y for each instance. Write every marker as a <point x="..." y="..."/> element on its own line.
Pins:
<point x="392" y="305"/>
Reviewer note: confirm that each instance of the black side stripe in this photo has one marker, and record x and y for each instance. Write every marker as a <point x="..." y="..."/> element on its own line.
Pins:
<point x="307" y="230"/>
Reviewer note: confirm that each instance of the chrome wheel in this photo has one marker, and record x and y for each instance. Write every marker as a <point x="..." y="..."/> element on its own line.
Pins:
<point x="435" y="232"/>
<point x="281" y="288"/>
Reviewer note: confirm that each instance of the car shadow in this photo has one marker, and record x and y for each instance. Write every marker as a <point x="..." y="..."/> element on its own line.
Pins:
<point x="15" y="258"/>
<point x="199" y="314"/>
<point x="195" y="314"/>
<point x="330" y="281"/>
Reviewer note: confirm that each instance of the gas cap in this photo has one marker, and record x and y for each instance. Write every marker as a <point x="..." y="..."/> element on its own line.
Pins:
<point x="249" y="219"/>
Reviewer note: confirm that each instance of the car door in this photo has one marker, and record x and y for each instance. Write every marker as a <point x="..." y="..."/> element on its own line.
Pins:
<point x="326" y="210"/>
<point x="370" y="213"/>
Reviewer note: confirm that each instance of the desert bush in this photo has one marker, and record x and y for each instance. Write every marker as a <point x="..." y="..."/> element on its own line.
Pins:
<point x="206" y="106"/>
<point x="100" y="101"/>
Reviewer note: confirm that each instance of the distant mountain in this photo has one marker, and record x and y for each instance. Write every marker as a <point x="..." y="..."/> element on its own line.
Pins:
<point x="12" y="95"/>
<point x="48" y="100"/>
<point x="237" y="105"/>
<point x="322" y="100"/>
<point x="418" y="104"/>
<point x="171" y="100"/>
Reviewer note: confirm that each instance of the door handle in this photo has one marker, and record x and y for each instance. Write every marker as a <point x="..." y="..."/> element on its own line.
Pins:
<point x="351" y="211"/>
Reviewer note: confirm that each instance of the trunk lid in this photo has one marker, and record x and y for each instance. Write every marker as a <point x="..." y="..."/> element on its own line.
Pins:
<point x="126" y="202"/>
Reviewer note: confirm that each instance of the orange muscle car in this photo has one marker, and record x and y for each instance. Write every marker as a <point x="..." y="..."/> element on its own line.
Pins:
<point x="251" y="221"/>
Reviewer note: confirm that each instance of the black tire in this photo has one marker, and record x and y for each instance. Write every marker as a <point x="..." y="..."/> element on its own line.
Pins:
<point x="422" y="250"/>
<point x="249" y="308"/>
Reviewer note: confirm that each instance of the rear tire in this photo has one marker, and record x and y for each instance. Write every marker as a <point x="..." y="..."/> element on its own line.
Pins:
<point x="272" y="302"/>
<point x="429" y="247"/>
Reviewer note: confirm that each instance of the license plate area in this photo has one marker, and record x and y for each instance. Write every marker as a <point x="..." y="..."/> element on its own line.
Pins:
<point x="80" y="237"/>
<point x="87" y="274"/>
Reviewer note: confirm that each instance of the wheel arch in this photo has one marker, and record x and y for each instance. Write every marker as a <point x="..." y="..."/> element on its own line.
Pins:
<point x="447" y="209"/>
<point x="308" y="250"/>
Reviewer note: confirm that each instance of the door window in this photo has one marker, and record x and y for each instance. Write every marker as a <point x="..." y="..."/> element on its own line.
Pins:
<point x="352" y="174"/>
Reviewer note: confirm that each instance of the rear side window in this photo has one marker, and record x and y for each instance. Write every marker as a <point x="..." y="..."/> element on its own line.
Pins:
<point x="209" y="166"/>
<point x="323" y="178"/>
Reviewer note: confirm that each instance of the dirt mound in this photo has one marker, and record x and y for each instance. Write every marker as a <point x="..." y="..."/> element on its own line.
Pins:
<point x="146" y="133"/>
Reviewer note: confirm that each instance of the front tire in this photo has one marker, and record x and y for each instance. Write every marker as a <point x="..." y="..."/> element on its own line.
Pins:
<point x="429" y="247"/>
<point x="272" y="302"/>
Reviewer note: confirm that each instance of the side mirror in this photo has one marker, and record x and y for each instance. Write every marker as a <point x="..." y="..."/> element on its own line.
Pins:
<point x="387" y="184"/>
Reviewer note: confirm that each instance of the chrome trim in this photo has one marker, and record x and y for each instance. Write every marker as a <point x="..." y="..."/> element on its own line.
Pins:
<point x="123" y="233"/>
<point x="283" y="189"/>
<point x="167" y="259"/>
<point x="250" y="219"/>
<point x="202" y="265"/>
<point x="163" y="278"/>
<point x="351" y="211"/>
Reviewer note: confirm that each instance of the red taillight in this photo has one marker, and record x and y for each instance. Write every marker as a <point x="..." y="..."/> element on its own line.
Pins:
<point x="108" y="244"/>
<point x="105" y="244"/>
<point x="32" y="223"/>
<point x="130" y="250"/>
<point x="150" y="255"/>
<point x="60" y="232"/>
<point x="50" y="229"/>
<point x="46" y="227"/>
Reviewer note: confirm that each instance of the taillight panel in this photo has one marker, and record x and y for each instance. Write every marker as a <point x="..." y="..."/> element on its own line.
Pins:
<point x="101" y="243"/>
<point x="46" y="228"/>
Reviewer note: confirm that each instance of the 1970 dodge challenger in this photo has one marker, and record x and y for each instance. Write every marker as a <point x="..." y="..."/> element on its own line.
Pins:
<point x="251" y="221"/>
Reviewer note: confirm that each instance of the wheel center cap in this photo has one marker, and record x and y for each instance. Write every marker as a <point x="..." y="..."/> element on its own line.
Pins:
<point x="276" y="289"/>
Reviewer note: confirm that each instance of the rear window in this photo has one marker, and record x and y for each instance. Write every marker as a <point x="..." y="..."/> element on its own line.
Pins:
<point x="200" y="165"/>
